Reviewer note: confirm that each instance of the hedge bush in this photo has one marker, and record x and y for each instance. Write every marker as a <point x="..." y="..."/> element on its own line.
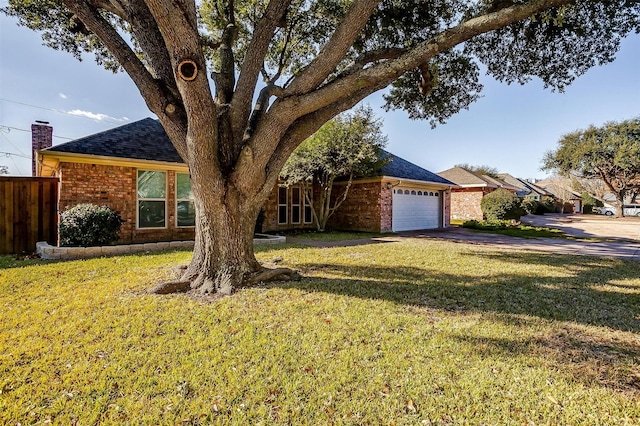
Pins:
<point x="530" y="206"/>
<point x="501" y="205"/>
<point x="88" y="225"/>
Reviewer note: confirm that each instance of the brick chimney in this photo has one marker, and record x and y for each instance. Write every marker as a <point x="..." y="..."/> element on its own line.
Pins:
<point x="41" y="138"/>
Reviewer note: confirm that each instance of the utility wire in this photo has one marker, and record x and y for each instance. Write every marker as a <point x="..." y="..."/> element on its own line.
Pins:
<point x="9" y="154"/>
<point x="55" y="110"/>
<point x="12" y="144"/>
<point x="29" y="131"/>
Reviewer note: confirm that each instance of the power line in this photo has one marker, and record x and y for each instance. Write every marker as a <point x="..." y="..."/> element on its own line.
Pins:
<point x="59" y="111"/>
<point x="29" y="131"/>
<point x="10" y="154"/>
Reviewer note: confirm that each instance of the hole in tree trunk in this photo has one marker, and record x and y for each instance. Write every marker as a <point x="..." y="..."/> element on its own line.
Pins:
<point x="187" y="70"/>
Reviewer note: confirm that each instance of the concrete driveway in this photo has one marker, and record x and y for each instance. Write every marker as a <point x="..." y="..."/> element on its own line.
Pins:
<point x="616" y="237"/>
<point x="587" y="226"/>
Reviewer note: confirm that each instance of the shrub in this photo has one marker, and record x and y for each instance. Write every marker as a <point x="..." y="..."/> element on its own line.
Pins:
<point x="547" y="205"/>
<point x="530" y="206"/>
<point x="488" y="225"/>
<point x="88" y="225"/>
<point x="501" y="205"/>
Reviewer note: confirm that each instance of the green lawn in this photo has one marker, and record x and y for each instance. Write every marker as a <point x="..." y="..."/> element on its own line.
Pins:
<point x="333" y="236"/>
<point x="405" y="333"/>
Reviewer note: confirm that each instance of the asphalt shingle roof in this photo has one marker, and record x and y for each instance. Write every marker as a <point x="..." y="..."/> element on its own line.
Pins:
<point x="141" y="140"/>
<point x="147" y="140"/>
<point x="463" y="177"/>
<point x="403" y="169"/>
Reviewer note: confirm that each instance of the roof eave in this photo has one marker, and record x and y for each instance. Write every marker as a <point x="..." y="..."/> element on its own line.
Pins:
<point x="109" y="160"/>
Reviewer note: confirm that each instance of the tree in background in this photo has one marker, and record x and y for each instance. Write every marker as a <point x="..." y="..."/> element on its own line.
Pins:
<point x="348" y="146"/>
<point x="482" y="170"/>
<point x="589" y="202"/>
<point x="610" y="153"/>
<point x="198" y="65"/>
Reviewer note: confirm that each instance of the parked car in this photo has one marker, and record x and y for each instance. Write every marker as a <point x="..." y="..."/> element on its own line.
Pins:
<point x="627" y="209"/>
<point x="609" y="211"/>
<point x="631" y="209"/>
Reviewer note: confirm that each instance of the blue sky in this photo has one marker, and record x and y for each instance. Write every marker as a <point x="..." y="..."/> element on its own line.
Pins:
<point x="510" y="128"/>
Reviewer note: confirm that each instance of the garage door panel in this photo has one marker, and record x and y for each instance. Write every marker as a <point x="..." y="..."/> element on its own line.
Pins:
<point x="414" y="209"/>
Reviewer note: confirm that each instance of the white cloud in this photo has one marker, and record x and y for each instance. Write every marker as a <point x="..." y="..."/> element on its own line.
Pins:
<point x="62" y="95"/>
<point x="96" y="116"/>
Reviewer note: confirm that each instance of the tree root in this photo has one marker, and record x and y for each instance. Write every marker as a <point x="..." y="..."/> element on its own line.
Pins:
<point x="223" y="284"/>
<point x="269" y="275"/>
<point x="171" y="287"/>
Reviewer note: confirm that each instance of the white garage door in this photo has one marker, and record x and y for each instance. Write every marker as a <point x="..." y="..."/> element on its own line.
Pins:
<point x="415" y="209"/>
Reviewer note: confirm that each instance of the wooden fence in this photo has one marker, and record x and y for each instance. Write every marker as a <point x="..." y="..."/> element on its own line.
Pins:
<point x="28" y="213"/>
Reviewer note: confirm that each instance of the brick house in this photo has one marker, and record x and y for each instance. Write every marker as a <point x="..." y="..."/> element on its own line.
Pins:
<point x="135" y="170"/>
<point x="528" y="190"/>
<point x="471" y="188"/>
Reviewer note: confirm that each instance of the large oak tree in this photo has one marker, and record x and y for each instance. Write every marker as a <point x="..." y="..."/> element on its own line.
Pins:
<point x="610" y="153"/>
<point x="239" y="84"/>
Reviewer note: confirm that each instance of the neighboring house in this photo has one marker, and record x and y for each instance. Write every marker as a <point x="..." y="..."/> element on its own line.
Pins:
<point x="135" y="170"/>
<point x="471" y="188"/>
<point x="564" y="194"/>
<point x="526" y="189"/>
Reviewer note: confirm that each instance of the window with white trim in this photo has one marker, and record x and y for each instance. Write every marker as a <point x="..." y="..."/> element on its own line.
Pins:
<point x="152" y="199"/>
<point x="185" y="207"/>
<point x="295" y="204"/>
<point x="282" y="205"/>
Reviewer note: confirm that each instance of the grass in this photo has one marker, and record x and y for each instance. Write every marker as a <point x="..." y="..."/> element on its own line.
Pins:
<point x="521" y="231"/>
<point x="332" y="236"/>
<point x="404" y="333"/>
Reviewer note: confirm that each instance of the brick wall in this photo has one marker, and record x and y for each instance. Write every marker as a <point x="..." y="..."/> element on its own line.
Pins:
<point x="446" y="199"/>
<point x="465" y="203"/>
<point x="367" y="208"/>
<point x="115" y="187"/>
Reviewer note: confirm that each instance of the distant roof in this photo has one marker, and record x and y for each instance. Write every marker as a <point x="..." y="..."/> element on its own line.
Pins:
<point x="403" y="169"/>
<point x="465" y="178"/>
<point x="523" y="184"/>
<point x="141" y="140"/>
<point x="147" y="140"/>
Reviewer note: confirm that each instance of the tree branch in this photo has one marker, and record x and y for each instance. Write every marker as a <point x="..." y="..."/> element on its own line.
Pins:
<point x="333" y="52"/>
<point x="373" y="56"/>
<point x="390" y="70"/>
<point x="344" y="196"/>
<point x="253" y="64"/>
<point x="156" y="95"/>
<point x="225" y="80"/>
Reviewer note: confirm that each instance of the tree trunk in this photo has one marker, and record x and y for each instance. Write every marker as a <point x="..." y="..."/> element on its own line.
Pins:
<point x="223" y="256"/>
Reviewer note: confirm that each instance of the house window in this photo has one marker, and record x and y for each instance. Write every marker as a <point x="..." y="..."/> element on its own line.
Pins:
<point x="295" y="204"/>
<point x="308" y="214"/>
<point x="152" y="199"/>
<point x="185" y="207"/>
<point x="282" y="205"/>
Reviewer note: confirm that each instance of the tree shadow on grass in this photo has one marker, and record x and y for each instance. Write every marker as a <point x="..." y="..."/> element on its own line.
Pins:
<point x="589" y="292"/>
